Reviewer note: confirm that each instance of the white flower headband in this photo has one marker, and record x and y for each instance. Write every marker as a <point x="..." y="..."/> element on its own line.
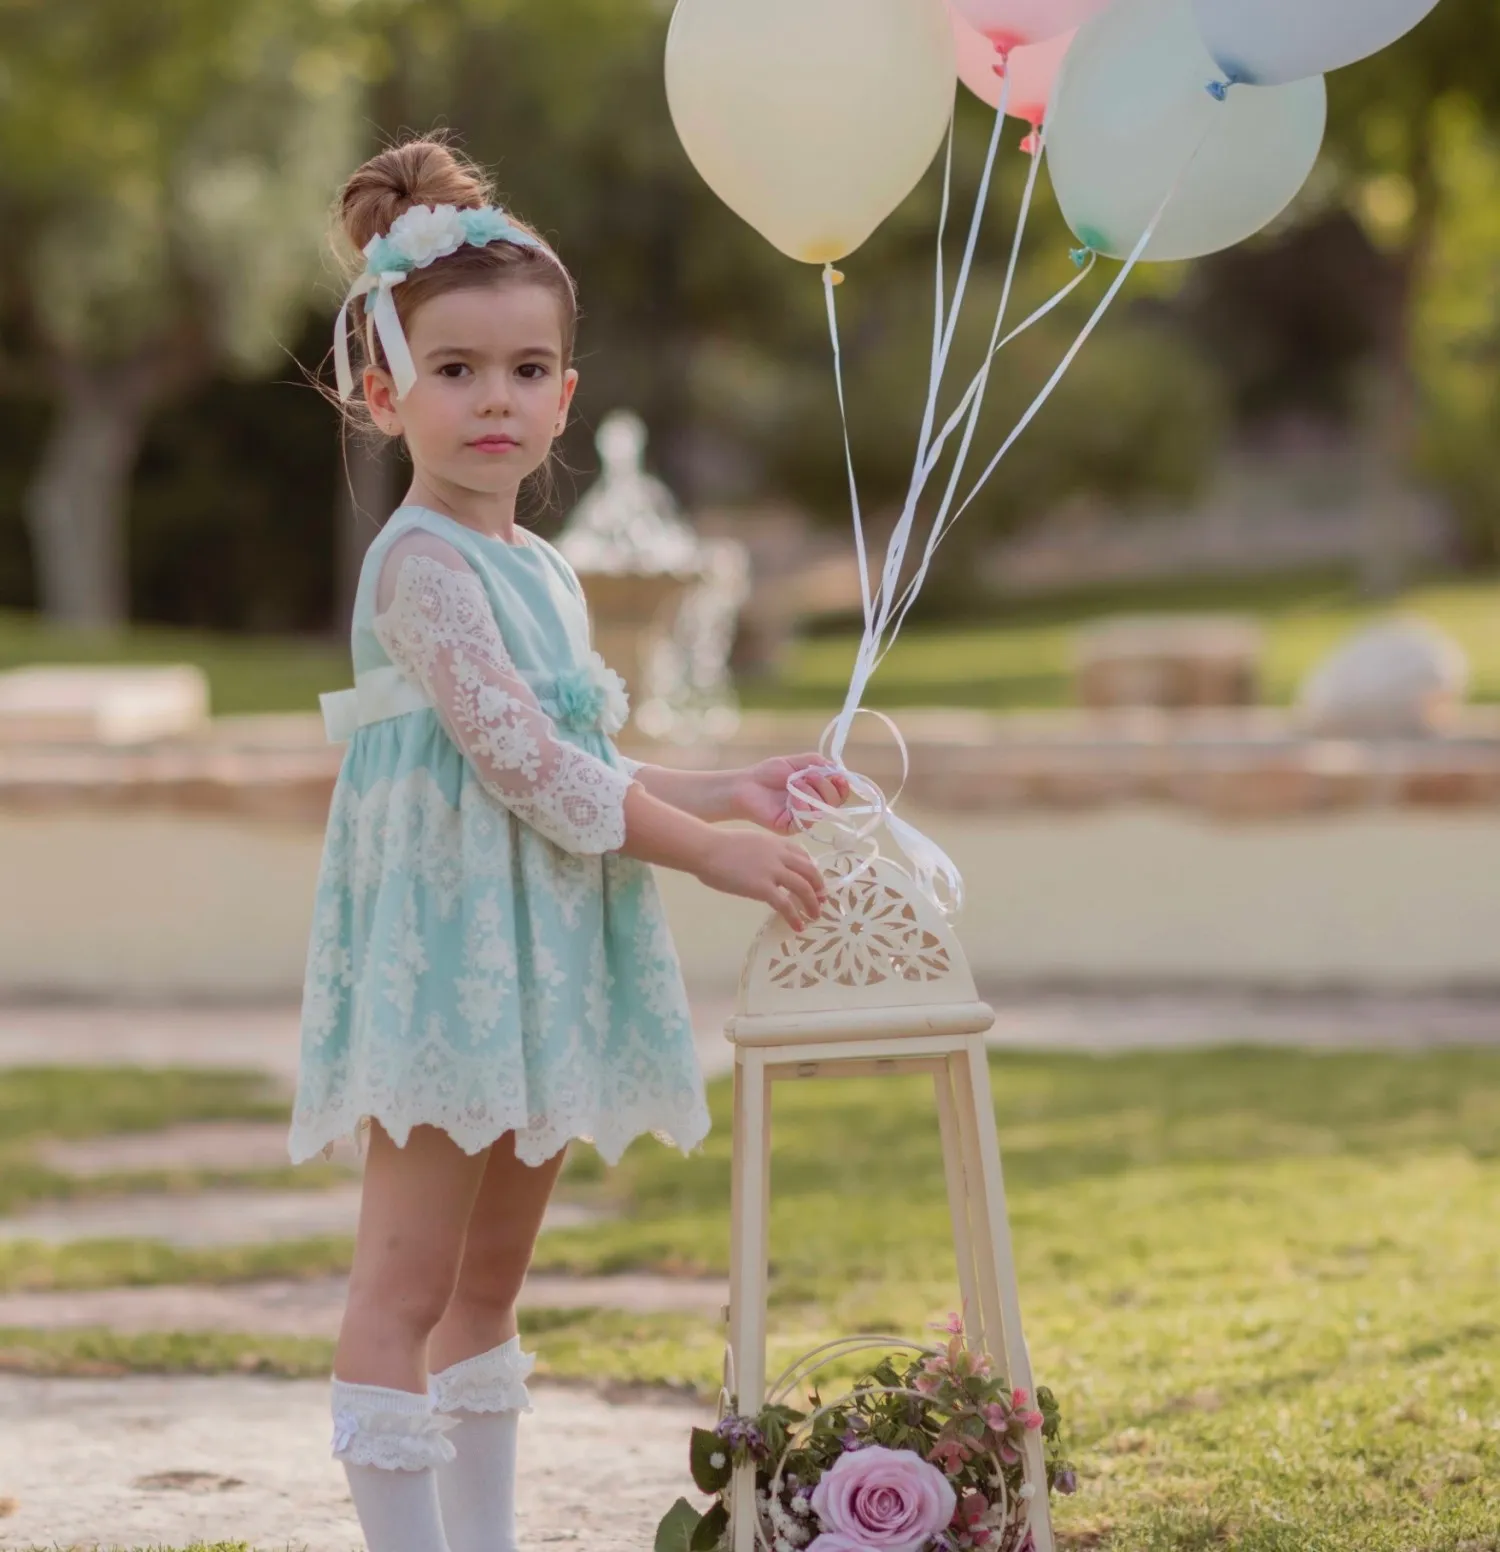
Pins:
<point x="417" y="237"/>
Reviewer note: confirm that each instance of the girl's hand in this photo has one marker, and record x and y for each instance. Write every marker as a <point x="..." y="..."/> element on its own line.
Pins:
<point x="759" y="868"/>
<point x="760" y="793"/>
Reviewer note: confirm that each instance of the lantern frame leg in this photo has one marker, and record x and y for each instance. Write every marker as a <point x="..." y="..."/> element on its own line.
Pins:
<point x="749" y="1248"/>
<point x="999" y="1293"/>
<point x="976" y="1201"/>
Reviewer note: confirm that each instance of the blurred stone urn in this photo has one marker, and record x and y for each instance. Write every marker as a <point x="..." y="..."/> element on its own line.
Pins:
<point x="664" y="601"/>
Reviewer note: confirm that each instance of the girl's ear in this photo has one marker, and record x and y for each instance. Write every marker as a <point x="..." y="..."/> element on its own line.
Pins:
<point x="569" y="388"/>
<point x="380" y="397"/>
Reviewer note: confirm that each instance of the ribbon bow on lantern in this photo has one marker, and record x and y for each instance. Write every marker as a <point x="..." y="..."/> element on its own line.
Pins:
<point x="852" y="827"/>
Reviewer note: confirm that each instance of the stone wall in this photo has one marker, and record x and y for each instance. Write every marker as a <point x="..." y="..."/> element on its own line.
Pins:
<point x="1123" y="848"/>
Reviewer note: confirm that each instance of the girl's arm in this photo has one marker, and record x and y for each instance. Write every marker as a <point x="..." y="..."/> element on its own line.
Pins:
<point x="757" y="792"/>
<point x="434" y="620"/>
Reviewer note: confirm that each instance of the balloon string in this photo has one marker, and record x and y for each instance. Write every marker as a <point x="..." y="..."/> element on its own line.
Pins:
<point x="884" y="593"/>
<point x="1104" y="305"/>
<point x="831" y="278"/>
<point x="976" y="394"/>
<point x="852" y="825"/>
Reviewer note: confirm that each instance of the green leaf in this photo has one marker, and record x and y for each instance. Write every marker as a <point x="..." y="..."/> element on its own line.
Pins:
<point x="678" y="1528"/>
<point x="709" y="1477"/>
<point x="711" y="1529"/>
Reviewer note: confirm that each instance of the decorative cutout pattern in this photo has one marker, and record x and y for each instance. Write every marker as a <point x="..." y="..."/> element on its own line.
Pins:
<point x="869" y="935"/>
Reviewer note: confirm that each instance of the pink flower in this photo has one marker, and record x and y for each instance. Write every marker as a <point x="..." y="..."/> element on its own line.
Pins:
<point x="880" y="1500"/>
<point x="1019" y="1398"/>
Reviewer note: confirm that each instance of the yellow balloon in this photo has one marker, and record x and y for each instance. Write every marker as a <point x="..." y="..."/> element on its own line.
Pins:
<point x="812" y="119"/>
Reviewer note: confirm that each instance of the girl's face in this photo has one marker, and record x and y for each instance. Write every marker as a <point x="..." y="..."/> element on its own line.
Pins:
<point x="492" y="390"/>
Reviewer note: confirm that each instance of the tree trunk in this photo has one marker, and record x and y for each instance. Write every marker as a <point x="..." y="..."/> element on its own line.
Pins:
<point x="77" y="501"/>
<point x="367" y="493"/>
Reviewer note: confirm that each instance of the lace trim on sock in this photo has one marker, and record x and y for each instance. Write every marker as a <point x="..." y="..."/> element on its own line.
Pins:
<point x="393" y="1430"/>
<point x="491" y="1382"/>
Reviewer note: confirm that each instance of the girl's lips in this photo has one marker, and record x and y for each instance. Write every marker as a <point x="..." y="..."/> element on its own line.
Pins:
<point x="495" y="444"/>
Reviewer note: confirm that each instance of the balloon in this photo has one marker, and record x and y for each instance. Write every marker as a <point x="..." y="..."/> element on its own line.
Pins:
<point x="1012" y="24"/>
<point x="1032" y="70"/>
<point x="812" y="119"/>
<point x="1127" y="113"/>
<point x="1269" y="42"/>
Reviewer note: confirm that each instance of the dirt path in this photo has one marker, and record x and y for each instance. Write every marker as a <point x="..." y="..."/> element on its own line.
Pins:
<point x="283" y="1307"/>
<point x="166" y="1462"/>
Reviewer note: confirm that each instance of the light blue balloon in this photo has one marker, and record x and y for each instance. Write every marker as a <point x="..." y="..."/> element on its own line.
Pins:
<point x="1132" y="122"/>
<point x="1270" y="42"/>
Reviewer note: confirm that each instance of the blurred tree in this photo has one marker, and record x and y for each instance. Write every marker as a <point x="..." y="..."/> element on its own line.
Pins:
<point x="164" y="178"/>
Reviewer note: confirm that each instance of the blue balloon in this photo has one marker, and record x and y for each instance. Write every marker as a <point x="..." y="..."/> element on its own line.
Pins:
<point x="1271" y="42"/>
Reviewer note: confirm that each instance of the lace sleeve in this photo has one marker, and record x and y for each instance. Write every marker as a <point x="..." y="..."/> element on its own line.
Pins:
<point x="434" y="621"/>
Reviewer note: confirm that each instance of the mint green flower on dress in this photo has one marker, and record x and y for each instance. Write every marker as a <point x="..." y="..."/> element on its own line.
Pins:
<point x="588" y="697"/>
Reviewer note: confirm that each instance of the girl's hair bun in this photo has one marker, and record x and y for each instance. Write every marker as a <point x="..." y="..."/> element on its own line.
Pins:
<point x="418" y="172"/>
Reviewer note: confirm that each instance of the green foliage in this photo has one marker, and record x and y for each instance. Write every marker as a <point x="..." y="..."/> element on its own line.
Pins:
<point x="678" y="1528"/>
<point x="168" y="169"/>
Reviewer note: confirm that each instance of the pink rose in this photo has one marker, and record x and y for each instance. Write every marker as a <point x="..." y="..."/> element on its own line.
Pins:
<point x="880" y="1500"/>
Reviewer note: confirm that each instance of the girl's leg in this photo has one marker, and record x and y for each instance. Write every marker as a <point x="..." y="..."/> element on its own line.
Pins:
<point x="413" y="1215"/>
<point x="478" y="1368"/>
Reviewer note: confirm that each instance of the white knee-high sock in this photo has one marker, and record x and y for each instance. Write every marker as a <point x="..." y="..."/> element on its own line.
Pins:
<point x="485" y="1397"/>
<point x="390" y="1443"/>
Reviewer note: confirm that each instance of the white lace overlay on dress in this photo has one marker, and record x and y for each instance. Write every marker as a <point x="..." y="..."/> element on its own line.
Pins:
<point x="435" y="623"/>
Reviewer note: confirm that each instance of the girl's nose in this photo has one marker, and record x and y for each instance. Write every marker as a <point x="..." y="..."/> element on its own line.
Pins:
<point x="494" y="393"/>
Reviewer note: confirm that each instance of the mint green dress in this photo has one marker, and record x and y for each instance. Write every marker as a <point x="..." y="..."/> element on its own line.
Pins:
<point x="481" y="958"/>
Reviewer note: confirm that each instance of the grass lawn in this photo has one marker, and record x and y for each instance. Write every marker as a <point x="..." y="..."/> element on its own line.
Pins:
<point x="73" y="1103"/>
<point x="1020" y="661"/>
<point x="1262" y="1283"/>
<point x="1023" y="660"/>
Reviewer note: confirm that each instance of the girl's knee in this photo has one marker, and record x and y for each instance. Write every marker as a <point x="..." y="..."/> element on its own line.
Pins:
<point x="488" y="1291"/>
<point x="409" y="1307"/>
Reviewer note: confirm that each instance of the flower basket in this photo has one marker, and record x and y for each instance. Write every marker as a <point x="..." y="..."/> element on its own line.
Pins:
<point x="923" y="1454"/>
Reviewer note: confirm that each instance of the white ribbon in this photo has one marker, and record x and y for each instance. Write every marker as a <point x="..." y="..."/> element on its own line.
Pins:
<point x="387" y="323"/>
<point x="378" y="694"/>
<point x="852" y="826"/>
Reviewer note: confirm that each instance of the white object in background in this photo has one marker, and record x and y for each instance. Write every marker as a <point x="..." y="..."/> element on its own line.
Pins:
<point x="1132" y="122"/>
<point x="116" y="704"/>
<point x="1269" y="42"/>
<point x="811" y="119"/>
<point x="665" y="601"/>
<point x="876" y="987"/>
<point x="1401" y="678"/>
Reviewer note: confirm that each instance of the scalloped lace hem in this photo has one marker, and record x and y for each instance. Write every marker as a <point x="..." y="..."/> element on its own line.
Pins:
<point x="536" y="1142"/>
<point x="490" y="1382"/>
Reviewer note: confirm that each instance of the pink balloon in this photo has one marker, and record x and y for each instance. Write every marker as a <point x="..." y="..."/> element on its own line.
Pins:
<point x="1032" y="70"/>
<point x="1012" y="24"/>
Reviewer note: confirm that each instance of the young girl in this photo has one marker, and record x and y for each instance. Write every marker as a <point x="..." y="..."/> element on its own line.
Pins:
<point x="490" y="973"/>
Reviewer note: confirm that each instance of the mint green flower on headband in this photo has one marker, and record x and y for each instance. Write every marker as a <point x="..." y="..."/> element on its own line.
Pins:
<point x="488" y="225"/>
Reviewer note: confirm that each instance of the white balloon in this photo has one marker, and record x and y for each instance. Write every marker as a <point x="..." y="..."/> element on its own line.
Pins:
<point x="1270" y="42"/>
<point x="812" y="119"/>
<point x="1128" y="112"/>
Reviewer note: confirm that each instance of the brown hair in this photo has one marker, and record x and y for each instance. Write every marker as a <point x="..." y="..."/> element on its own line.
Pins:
<point x="428" y="171"/>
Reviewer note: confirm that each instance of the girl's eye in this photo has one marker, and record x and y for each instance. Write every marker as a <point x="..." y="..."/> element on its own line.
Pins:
<point x="452" y="369"/>
<point x="532" y="371"/>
